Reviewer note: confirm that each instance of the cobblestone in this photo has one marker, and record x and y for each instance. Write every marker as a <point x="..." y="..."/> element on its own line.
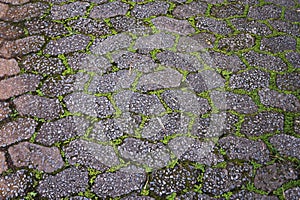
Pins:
<point x="150" y="9"/>
<point x="194" y="195"/>
<point x="16" y="131"/>
<point x="286" y="27"/>
<point x="35" y="156"/>
<point x="68" y="10"/>
<point x="4" y="110"/>
<point x="282" y="2"/>
<point x="286" y="102"/>
<point x="286" y="145"/>
<point x="289" y="81"/>
<point x="195" y="43"/>
<point x="262" y="123"/>
<point x="278" y="44"/>
<point x="68" y="182"/>
<point x="244" y="194"/>
<point x="294" y="59"/>
<point x="238" y="42"/>
<point x="254" y="27"/>
<point x="283" y="172"/>
<point x="127" y="24"/>
<point x="18" y="85"/>
<point x="3" y="164"/>
<point x="231" y="63"/>
<point x="9" y="31"/>
<point x="264" y="12"/>
<point x="293" y="193"/>
<point x="8" y="67"/>
<point x="111" y="9"/>
<point x="228" y="10"/>
<point x="297" y="125"/>
<point x="145" y="104"/>
<point x="15" y="2"/>
<point x="185" y="11"/>
<point x="292" y="15"/>
<point x="48" y="28"/>
<point x="212" y="25"/>
<point x="36" y="106"/>
<point x="89" y="26"/>
<point x="155" y="41"/>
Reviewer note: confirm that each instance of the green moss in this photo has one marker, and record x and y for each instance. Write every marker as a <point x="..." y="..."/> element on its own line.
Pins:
<point x="171" y="196"/>
<point x="221" y="165"/>
<point x="30" y="195"/>
<point x="227" y="195"/>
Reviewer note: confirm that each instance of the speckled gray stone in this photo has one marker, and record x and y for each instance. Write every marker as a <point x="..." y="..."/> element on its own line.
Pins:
<point x="108" y="10"/>
<point x="237" y="42"/>
<point x="229" y="10"/>
<point x="286" y="145"/>
<point x="286" y="27"/>
<point x="145" y="104"/>
<point x="4" y="110"/>
<point x="288" y="81"/>
<point x="68" y="10"/>
<point x="150" y="9"/>
<point x="89" y="26"/>
<point x="155" y="41"/>
<point x="278" y="44"/>
<point x="244" y="194"/>
<point x="264" y="12"/>
<point x="294" y="59"/>
<point x="249" y="26"/>
<point x="213" y="25"/>
<point x="292" y="15"/>
<point x="230" y="63"/>
<point x="293" y="193"/>
<point x="43" y="27"/>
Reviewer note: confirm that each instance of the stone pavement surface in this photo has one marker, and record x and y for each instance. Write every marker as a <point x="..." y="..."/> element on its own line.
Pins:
<point x="142" y="100"/>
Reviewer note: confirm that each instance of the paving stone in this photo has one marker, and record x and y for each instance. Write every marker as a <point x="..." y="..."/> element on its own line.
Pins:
<point x="111" y="43"/>
<point x="286" y="102"/>
<point x="16" y="131"/>
<point x="18" y="85"/>
<point x="254" y="27"/>
<point x="61" y="130"/>
<point x="89" y="26"/>
<point x="250" y="80"/>
<point x="297" y="125"/>
<point x="238" y="42"/>
<point x="244" y="2"/>
<point x="136" y="197"/>
<point x="119" y="183"/>
<point x="36" y="106"/>
<point x="112" y="82"/>
<point x="145" y="104"/>
<point x="150" y="9"/>
<point x="180" y="61"/>
<point x="289" y="81"/>
<point x="181" y="27"/>
<point x="15" y="185"/>
<point x="189" y="149"/>
<point x="212" y="25"/>
<point x="3" y="164"/>
<point x="265" y="61"/>
<point x="128" y="24"/>
<point x="91" y="154"/>
<point x="4" y="110"/>
<point x="193" y="195"/>
<point x="271" y="177"/>
<point x="60" y="12"/>
<point x="108" y="10"/>
<point x="167" y="78"/>
<point x="286" y="145"/>
<point x="217" y="181"/>
<point x="185" y="11"/>
<point x="238" y="102"/>
<point x="15" y="2"/>
<point x="68" y="182"/>
<point x="43" y="27"/>
<point x="144" y="153"/>
<point x="166" y="181"/>
<point x="79" y="198"/>
<point x="282" y="2"/>
<point x="264" y="12"/>
<point x="292" y="15"/>
<point x="8" y="67"/>
<point x="245" y="149"/>
<point x="195" y="43"/>
<point x="30" y="155"/>
<point x="4" y="9"/>
<point x="21" y="46"/>
<point x="286" y="27"/>
<point x="24" y="12"/>
<point x="155" y="41"/>
<point x="10" y="31"/>
<point x="278" y="44"/>
<point x="262" y="123"/>
<point x="89" y="105"/>
<point x="67" y="44"/>
<point x="294" y="59"/>
<point x="244" y="194"/>
<point x="229" y="10"/>
<point x="230" y="63"/>
<point x="293" y="193"/>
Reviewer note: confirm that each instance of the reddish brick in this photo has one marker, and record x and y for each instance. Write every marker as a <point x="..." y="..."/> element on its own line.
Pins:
<point x="3" y="165"/>
<point x="8" y="67"/>
<point x="18" y="85"/>
<point x="3" y="10"/>
<point x="15" y="2"/>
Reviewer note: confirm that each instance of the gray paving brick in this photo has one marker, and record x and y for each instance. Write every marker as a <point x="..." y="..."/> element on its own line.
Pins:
<point x="9" y="31"/>
<point x="108" y="10"/>
<point x="212" y="25"/>
<point x="294" y="59"/>
<point x="150" y="9"/>
<point x="289" y="81"/>
<point x="292" y="15"/>
<point x="278" y="44"/>
<point x="155" y="41"/>
<point x="185" y="11"/>
<point x="251" y="195"/>
<point x="60" y="12"/>
<point x="249" y="26"/>
<point x="293" y="193"/>
<point x="195" y="43"/>
<point x="286" y="27"/>
<point x="89" y="26"/>
<point x="238" y="42"/>
<point x="48" y="28"/>
<point x="286" y="145"/>
<point x="229" y="10"/>
<point x="230" y="63"/>
<point x="264" y="12"/>
<point x="15" y="2"/>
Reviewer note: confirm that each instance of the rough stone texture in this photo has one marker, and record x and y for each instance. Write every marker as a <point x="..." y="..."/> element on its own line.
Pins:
<point x="21" y="46"/>
<point x="249" y="26"/>
<point x="217" y="181"/>
<point x="9" y="31"/>
<point x="48" y="28"/>
<point x="265" y="122"/>
<point x="297" y="125"/>
<point x="155" y="41"/>
<point x="185" y="11"/>
<point x="292" y="15"/>
<point x="36" y="106"/>
<point x="108" y="10"/>
<point x="68" y="182"/>
<point x="68" y="10"/>
<point x="269" y="178"/>
<point x="106" y="130"/>
<point x="61" y="130"/>
<point x="91" y="154"/>
<point x="292" y="194"/>
<point x="16" y="131"/>
<point x="212" y="25"/>
<point x="15" y="185"/>
<point x="119" y="183"/>
<point x="3" y="164"/>
<point x="18" y="85"/>
<point x="89" y="26"/>
<point x="230" y="63"/>
<point x="195" y="43"/>
<point x="286" y="27"/>
<point x="265" y="61"/>
<point x="4" y="110"/>
<point x="286" y="102"/>
<point x="181" y="27"/>
<point x="145" y="153"/>
<point x="89" y="105"/>
<point x="278" y="44"/>
<point x="15" y="2"/>
<point x="229" y="10"/>
<point x="145" y="104"/>
<point x="193" y="195"/>
<point x="30" y="155"/>
<point x="8" y="67"/>
<point x="67" y="44"/>
<point x="150" y="9"/>
<point x="238" y="42"/>
<point x="250" y="80"/>
<point x="244" y="194"/>
<point x="245" y="149"/>
<point x="289" y="81"/>
<point x="294" y="59"/>
<point x="136" y="197"/>
<point x="166" y="181"/>
<point x="286" y="145"/>
<point x="24" y="12"/>
<point x="282" y="2"/>
<point x="264" y="12"/>
<point x="128" y="24"/>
